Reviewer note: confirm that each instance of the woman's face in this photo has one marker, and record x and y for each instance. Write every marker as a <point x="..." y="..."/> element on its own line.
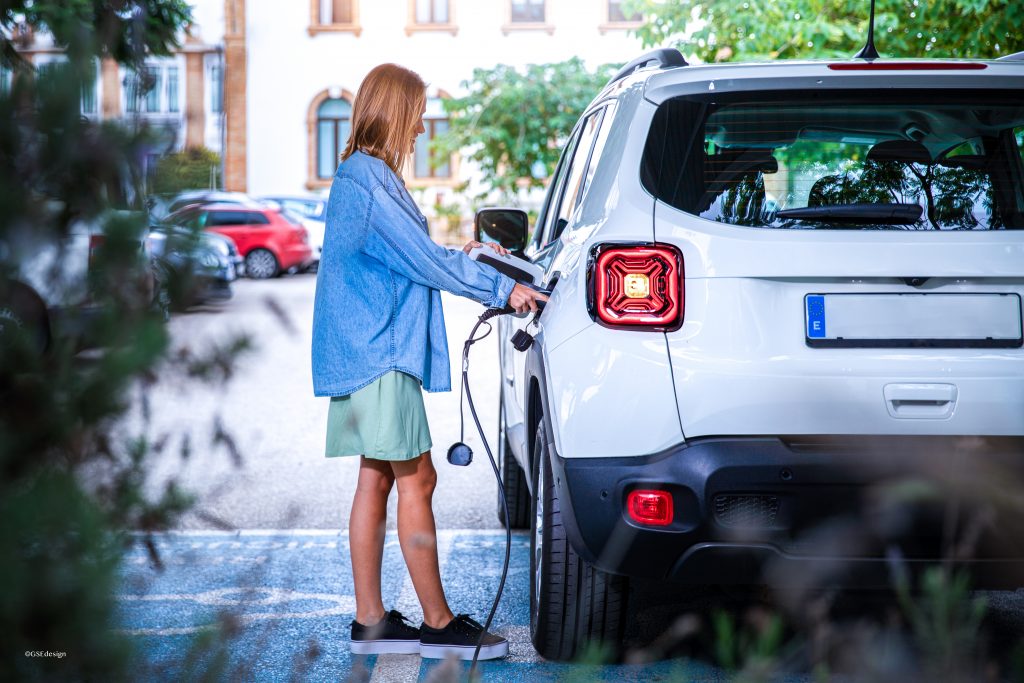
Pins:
<point x="417" y="129"/>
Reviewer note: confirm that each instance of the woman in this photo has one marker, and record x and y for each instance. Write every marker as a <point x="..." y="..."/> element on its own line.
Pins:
<point x="378" y="336"/>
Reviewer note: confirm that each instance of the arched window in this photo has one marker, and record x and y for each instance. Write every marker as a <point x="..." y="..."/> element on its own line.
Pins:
<point x="427" y="162"/>
<point x="333" y="125"/>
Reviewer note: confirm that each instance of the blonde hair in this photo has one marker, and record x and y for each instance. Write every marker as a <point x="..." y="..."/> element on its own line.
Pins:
<point x="386" y="110"/>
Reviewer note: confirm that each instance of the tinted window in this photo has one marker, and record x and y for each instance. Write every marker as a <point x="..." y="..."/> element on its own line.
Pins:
<point x="216" y="218"/>
<point x="256" y="218"/>
<point x="550" y="209"/>
<point x="573" y="189"/>
<point x="931" y="160"/>
<point x="595" y="154"/>
<point x="308" y="209"/>
<point x="190" y="218"/>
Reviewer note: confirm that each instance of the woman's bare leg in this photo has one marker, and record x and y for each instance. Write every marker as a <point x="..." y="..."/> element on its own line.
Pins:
<point x="366" y="528"/>
<point x="418" y="536"/>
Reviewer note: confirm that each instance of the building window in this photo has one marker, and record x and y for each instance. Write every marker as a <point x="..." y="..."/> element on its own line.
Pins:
<point x="335" y="11"/>
<point x="426" y="162"/>
<point x="431" y="11"/>
<point x="527" y="12"/>
<point x="431" y="15"/>
<point x="333" y="125"/>
<point x="335" y="15"/>
<point x="615" y="13"/>
<point x="618" y="19"/>
<point x="216" y="88"/>
<point x="527" y="15"/>
<point x="89" y="100"/>
<point x="153" y="90"/>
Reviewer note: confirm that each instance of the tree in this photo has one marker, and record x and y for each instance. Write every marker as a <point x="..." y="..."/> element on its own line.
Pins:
<point x="513" y="122"/>
<point x="70" y="477"/>
<point x="760" y="29"/>
<point x="186" y="170"/>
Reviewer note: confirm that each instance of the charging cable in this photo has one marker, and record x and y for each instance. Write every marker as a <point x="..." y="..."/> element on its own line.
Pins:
<point x="461" y="454"/>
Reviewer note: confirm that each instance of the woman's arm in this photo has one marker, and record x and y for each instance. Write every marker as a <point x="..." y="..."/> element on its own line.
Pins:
<point x="395" y="237"/>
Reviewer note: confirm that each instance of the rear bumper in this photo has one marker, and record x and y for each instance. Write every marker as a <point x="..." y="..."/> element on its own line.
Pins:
<point x="754" y="509"/>
<point x="296" y="255"/>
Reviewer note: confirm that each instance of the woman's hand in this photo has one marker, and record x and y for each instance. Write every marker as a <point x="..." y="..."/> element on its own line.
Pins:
<point x="473" y="244"/>
<point x="524" y="299"/>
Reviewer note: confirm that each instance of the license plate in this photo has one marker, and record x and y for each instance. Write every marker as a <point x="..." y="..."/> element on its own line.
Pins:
<point x="913" y="320"/>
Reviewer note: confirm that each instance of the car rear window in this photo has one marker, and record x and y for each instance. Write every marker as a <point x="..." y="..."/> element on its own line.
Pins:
<point x="864" y="159"/>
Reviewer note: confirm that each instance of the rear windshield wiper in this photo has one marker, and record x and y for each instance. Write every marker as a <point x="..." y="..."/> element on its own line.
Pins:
<point x="871" y="213"/>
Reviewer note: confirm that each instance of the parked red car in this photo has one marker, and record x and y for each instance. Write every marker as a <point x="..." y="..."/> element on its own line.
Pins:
<point x="271" y="241"/>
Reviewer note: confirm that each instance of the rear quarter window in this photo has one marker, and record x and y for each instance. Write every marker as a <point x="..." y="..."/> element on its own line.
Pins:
<point x="926" y="160"/>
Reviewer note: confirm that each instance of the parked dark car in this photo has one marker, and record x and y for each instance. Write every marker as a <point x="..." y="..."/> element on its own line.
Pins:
<point x="161" y="206"/>
<point x="192" y="268"/>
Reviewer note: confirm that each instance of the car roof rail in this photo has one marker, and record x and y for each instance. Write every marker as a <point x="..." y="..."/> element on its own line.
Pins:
<point x="1015" y="57"/>
<point x="664" y="57"/>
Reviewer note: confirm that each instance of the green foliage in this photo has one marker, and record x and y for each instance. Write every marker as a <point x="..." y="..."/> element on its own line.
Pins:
<point x="126" y="30"/>
<point x="756" y="29"/>
<point x="186" y="170"/>
<point x="752" y="648"/>
<point x="70" y="475"/>
<point x="946" y="622"/>
<point x="514" y="122"/>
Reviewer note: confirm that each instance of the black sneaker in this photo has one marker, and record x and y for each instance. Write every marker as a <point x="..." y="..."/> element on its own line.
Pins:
<point x="391" y="635"/>
<point x="459" y="638"/>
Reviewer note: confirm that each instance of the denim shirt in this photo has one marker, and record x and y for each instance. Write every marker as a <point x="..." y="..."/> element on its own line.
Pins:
<point x="378" y="299"/>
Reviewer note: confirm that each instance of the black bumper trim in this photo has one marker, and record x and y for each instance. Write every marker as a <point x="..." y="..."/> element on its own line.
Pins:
<point x="816" y="478"/>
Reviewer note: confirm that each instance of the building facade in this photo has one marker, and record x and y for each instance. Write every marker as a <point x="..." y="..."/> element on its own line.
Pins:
<point x="269" y="84"/>
<point x="303" y="60"/>
<point x="179" y="96"/>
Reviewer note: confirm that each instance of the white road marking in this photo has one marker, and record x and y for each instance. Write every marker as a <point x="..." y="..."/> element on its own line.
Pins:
<point x="222" y="597"/>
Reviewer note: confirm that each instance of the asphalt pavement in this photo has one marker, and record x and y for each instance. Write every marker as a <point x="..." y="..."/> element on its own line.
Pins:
<point x="281" y="479"/>
<point x="288" y="595"/>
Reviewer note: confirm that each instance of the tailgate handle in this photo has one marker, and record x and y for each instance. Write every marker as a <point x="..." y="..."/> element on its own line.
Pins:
<point x="920" y="401"/>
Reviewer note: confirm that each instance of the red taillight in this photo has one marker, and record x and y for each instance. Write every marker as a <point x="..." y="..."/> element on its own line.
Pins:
<point x="638" y="286"/>
<point x="651" y="507"/>
<point x="907" y="66"/>
<point x="95" y="242"/>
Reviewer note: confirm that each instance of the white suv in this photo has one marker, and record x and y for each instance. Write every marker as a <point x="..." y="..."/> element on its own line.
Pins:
<point x="773" y="286"/>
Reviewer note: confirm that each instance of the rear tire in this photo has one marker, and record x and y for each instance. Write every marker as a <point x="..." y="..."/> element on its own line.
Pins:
<point x="23" y="318"/>
<point x="517" y="494"/>
<point x="261" y="264"/>
<point x="574" y="607"/>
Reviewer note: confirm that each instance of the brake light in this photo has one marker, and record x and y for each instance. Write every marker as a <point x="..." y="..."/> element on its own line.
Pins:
<point x="638" y="286"/>
<point x="95" y="242"/>
<point x="652" y="507"/>
<point x="907" y="66"/>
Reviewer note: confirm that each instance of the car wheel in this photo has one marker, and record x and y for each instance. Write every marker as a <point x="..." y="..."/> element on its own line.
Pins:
<point x="573" y="605"/>
<point x="261" y="264"/>
<point x="23" y="316"/>
<point x="517" y="494"/>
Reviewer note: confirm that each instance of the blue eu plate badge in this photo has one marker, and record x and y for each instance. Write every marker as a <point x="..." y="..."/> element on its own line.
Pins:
<point x="815" y="316"/>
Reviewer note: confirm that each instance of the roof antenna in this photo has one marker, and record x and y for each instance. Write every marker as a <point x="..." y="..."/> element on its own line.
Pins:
<point x="869" y="51"/>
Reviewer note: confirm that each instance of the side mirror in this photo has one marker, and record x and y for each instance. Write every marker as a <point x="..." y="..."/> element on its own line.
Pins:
<point x="507" y="227"/>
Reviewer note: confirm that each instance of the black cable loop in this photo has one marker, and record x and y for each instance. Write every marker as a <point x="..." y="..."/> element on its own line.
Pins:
<point x="490" y="313"/>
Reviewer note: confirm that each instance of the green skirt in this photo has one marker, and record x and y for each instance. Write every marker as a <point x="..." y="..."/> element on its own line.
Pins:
<point x="384" y="420"/>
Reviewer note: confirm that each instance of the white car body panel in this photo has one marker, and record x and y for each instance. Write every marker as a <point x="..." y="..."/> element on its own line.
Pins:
<point x="740" y="364"/>
<point x="315" y="229"/>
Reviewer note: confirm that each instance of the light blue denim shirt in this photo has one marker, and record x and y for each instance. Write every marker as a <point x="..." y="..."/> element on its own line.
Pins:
<point x="378" y="299"/>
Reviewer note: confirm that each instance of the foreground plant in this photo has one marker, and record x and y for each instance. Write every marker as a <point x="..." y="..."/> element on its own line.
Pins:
<point x="69" y="479"/>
